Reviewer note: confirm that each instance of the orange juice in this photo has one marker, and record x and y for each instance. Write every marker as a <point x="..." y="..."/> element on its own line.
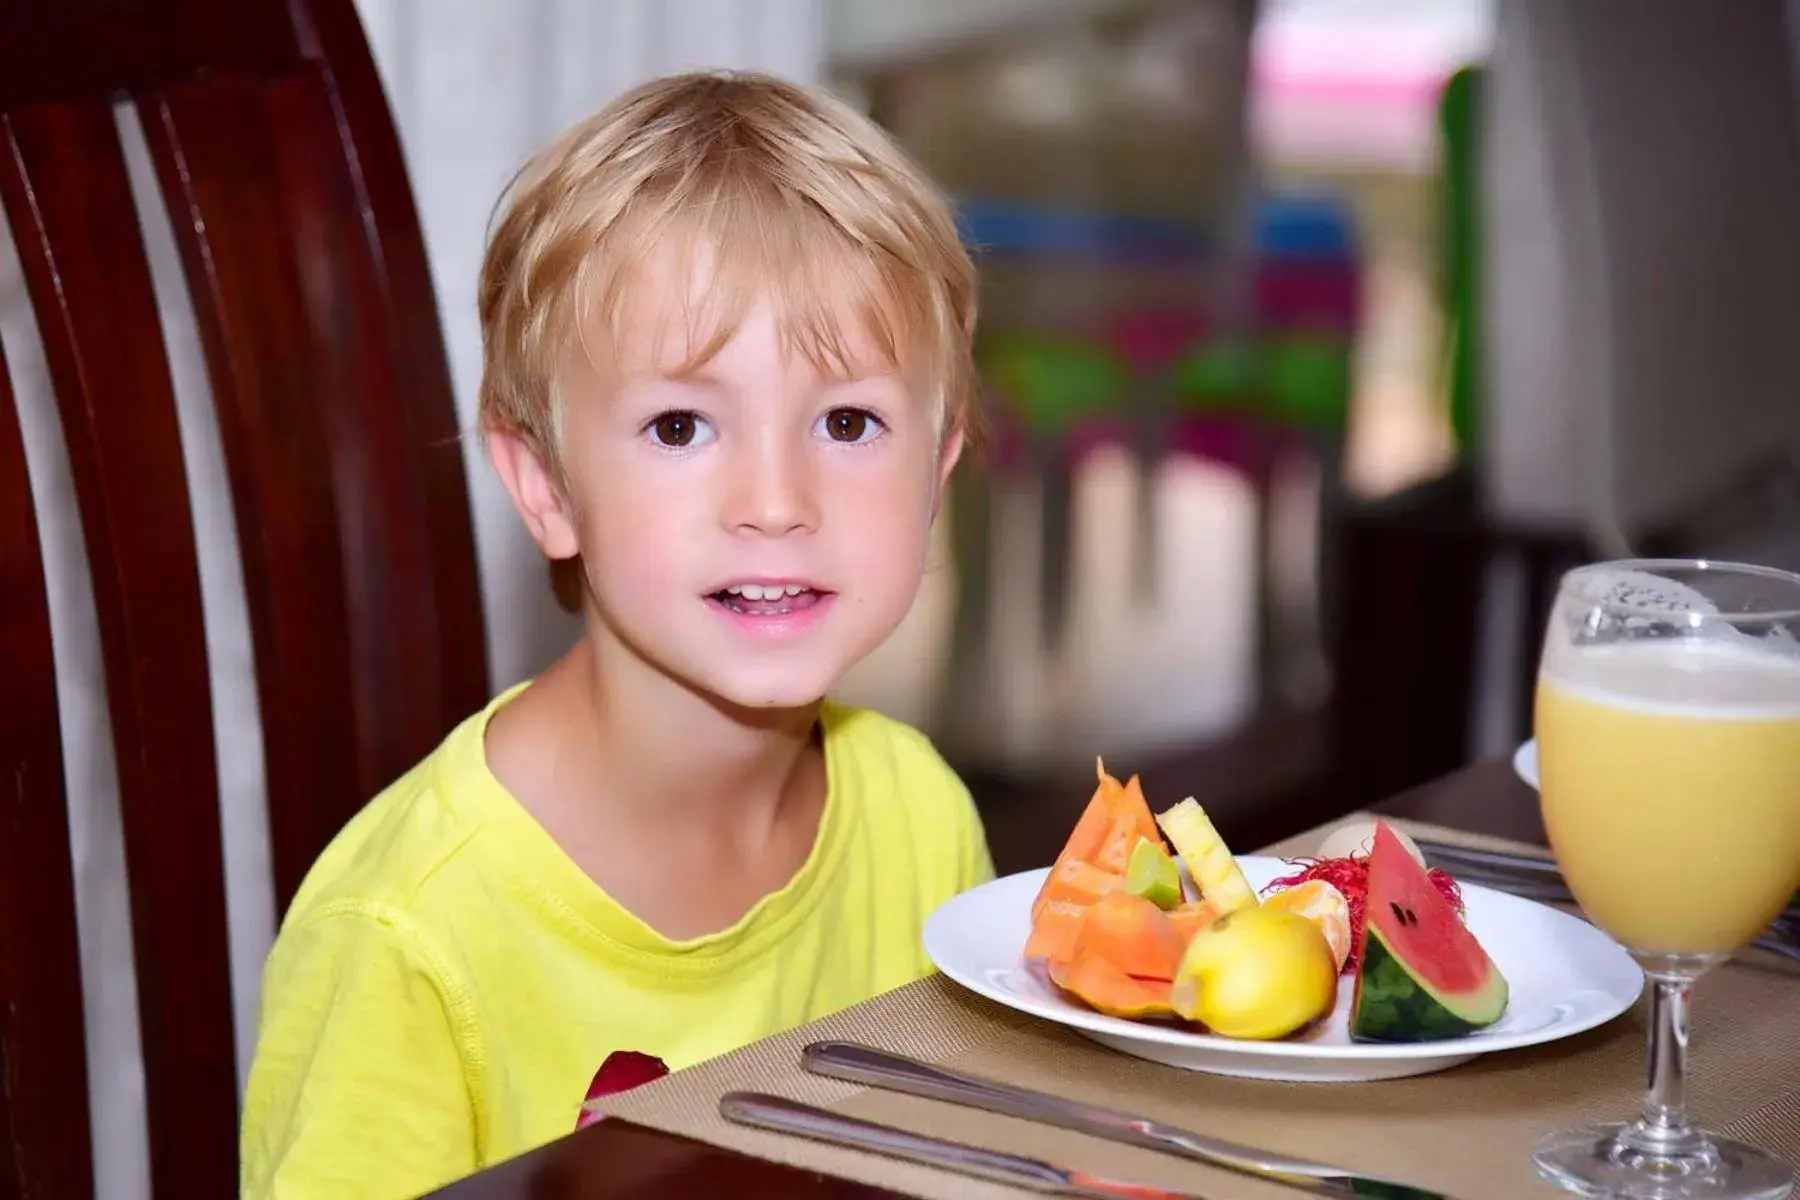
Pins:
<point x="1670" y="776"/>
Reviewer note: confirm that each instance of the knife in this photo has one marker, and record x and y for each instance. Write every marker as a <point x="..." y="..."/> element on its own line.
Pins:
<point x="1782" y="937"/>
<point x="857" y="1063"/>
<point x="1449" y="853"/>
<point x="781" y="1115"/>
<point x="1474" y="861"/>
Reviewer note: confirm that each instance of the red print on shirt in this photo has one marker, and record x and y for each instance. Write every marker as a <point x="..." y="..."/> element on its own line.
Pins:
<point x="622" y="1071"/>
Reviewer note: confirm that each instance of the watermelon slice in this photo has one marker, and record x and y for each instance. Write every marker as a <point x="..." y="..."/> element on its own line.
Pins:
<point x="1420" y="974"/>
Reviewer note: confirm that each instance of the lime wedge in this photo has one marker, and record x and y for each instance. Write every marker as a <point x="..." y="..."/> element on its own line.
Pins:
<point x="1151" y="873"/>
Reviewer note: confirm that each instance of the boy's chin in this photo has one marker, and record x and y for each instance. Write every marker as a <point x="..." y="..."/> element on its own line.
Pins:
<point x="769" y="686"/>
<point x="765" y="694"/>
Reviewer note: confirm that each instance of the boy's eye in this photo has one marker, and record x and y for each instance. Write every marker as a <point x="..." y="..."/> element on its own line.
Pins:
<point x="679" y="429"/>
<point x="851" y="425"/>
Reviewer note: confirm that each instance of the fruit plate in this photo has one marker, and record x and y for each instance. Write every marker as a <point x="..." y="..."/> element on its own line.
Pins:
<point x="1564" y="975"/>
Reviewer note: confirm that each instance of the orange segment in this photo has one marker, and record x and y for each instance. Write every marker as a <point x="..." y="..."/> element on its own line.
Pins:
<point x="1324" y="906"/>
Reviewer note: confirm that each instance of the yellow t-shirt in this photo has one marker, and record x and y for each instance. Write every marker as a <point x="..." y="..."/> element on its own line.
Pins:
<point x="447" y="981"/>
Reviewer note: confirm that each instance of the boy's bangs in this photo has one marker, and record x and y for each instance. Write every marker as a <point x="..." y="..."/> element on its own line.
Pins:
<point x="841" y="304"/>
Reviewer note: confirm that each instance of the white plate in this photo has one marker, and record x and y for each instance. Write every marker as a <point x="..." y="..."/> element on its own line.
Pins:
<point x="1525" y="762"/>
<point x="1564" y="976"/>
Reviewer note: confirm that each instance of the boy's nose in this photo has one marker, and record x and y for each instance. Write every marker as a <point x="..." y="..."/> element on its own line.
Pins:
<point x="772" y="492"/>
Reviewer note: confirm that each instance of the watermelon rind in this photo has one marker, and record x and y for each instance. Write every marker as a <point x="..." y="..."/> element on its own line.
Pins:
<point x="1392" y="1004"/>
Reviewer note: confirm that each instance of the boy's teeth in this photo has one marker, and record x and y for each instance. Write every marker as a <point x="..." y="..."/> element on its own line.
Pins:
<point x="759" y="591"/>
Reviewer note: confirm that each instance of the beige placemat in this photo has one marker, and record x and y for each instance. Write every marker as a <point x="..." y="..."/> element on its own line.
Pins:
<point x="1467" y="1131"/>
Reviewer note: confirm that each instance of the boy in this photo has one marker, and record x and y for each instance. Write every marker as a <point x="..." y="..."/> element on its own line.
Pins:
<point x="727" y="334"/>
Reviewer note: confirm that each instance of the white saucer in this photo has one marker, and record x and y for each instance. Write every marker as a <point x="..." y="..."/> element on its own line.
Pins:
<point x="1525" y="762"/>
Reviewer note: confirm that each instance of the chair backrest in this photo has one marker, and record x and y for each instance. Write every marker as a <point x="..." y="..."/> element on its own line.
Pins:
<point x="281" y="175"/>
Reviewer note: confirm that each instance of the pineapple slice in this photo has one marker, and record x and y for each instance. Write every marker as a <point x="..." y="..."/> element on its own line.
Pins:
<point x="1222" y="884"/>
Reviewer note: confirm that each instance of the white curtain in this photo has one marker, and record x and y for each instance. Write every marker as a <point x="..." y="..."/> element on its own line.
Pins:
<point x="474" y="85"/>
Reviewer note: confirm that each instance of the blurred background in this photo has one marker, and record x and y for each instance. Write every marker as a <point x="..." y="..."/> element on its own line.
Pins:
<point x="1318" y="335"/>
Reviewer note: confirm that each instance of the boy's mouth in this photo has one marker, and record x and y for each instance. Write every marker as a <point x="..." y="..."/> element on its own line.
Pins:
<point x="767" y="599"/>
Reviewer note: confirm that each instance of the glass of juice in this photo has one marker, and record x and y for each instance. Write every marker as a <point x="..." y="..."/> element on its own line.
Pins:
<point x="1668" y="729"/>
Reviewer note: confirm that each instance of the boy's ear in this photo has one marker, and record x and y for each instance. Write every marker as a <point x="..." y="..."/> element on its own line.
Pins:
<point x="535" y="492"/>
<point x="948" y="454"/>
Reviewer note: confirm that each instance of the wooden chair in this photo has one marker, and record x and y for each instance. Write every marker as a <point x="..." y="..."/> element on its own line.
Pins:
<point x="282" y="175"/>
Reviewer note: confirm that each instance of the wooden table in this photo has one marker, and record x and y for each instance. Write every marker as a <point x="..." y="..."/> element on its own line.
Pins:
<point x="617" y="1160"/>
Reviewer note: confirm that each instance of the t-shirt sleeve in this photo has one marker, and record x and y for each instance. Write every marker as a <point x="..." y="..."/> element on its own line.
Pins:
<point x="977" y="863"/>
<point x="358" y="1086"/>
<point x="945" y="815"/>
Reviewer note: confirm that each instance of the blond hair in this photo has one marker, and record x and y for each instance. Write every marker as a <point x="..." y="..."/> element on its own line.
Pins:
<point x="786" y="191"/>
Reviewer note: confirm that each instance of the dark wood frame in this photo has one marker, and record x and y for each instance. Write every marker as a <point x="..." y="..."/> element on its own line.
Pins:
<point x="281" y="173"/>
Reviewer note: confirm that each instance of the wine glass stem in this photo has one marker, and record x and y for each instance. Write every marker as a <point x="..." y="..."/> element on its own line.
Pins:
<point x="1663" y="1129"/>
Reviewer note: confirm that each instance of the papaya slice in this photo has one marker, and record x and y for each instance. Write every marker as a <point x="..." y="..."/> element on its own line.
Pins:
<point x="1089" y="837"/>
<point x="1077" y="882"/>
<point x="1133" y="935"/>
<point x="1104" y="988"/>
<point x="1131" y="820"/>
<point x="1054" y="932"/>
<point x="1192" y="916"/>
<point x="1131" y="801"/>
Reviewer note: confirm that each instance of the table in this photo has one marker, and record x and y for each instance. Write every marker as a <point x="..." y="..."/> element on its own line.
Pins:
<point x="618" y="1160"/>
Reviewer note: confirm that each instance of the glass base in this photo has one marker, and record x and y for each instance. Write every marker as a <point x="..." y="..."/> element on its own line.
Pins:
<point x="1600" y="1160"/>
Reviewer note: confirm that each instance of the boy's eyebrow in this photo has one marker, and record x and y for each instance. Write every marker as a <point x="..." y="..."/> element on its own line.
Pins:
<point x="701" y="374"/>
<point x="698" y="374"/>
